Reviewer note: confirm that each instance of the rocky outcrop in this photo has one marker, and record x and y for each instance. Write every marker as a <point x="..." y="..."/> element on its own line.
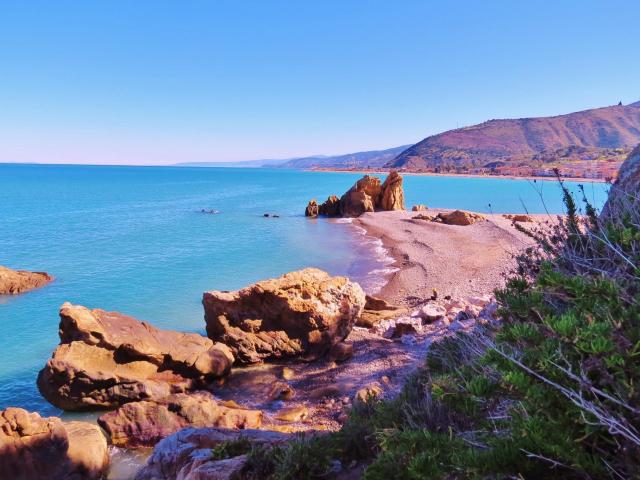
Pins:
<point x="107" y="359"/>
<point x="145" y="423"/>
<point x="312" y="209"/>
<point x="367" y="195"/>
<point x="625" y="192"/>
<point x="520" y="218"/>
<point x="459" y="217"/>
<point x="377" y="309"/>
<point x="13" y="282"/>
<point x="392" y="195"/>
<point x="186" y="455"/>
<point x="301" y="314"/>
<point x="33" y="448"/>
<point x="331" y="207"/>
<point x="419" y="208"/>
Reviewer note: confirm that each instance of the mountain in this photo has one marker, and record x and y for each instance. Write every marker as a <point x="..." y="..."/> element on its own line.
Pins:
<point x="240" y="164"/>
<point x="601" y="133"/>
<point x="369" y="159"/>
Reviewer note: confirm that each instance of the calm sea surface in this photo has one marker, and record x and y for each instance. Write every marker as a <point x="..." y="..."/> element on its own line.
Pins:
<point x="132" y="239"/>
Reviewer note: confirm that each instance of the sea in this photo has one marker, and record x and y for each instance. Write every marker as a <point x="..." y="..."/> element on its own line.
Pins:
<point x="136" y="240"/>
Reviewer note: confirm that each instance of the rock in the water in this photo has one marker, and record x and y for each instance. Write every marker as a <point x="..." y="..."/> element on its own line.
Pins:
<point x="33" y="448"/>
<point x="331" y="207"/>
<point x="312" y="209"/>
<point x="13" y="282"/>
<point x="392" y="195"/>
<point x="145" y="423"/>
<point x="377" y="309"/>
<point x="301" y="314"/>
<point x="186" y="455"/>
<point x="419" y="208"/>
<point x="356" y="202"/>
<point x="459" y="217"/>
<point x="106" y="359"/>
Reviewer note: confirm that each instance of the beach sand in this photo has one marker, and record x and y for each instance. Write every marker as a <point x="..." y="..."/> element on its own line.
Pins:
<point x="454" y="260"/>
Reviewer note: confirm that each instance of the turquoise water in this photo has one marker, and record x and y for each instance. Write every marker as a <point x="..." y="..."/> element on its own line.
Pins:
<point x="132" y="239"/>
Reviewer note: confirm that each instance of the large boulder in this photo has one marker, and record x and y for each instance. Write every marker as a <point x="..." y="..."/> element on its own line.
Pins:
<point x="459" y="217"/>
<point x="13" y="282"/>
<point x="301" y="314"/>
<point x="33" y="448"/>
<point x="312" y="209"/>
<point x="106" y="359"/>
<point x="186" y="455"/>
<point x="625" y="192"/>
<point x="331" y="207"/>
<point x="145" y="423"/>
<point x="376" y="310"/>
<point x="392" y="194"/>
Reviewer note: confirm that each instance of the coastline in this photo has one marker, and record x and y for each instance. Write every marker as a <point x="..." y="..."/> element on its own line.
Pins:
<point x="453" y="260"/>
<point x="463" y="175"/>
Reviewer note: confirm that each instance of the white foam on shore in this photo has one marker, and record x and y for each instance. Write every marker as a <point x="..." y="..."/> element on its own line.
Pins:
<point x="376" y="277"/>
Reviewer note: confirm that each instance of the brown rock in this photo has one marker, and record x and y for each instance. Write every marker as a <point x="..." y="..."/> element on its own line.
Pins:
<point x="422" y="216"/>
<point x="341" y="352"/>
<point x="185" y="455"/>
<point x="459" y="217"/>
<point x="281" y="391"/>
<point x="419" y="208"/>
<point x="293" y="414"/>
<point x="403" y="328"/>
<point x="145" y="423"/>
<point x="312" y="209"/>
<point x="33" y="448"/>
<point x="377" y="309"/>
<point x="519" y="218"/>
<point x="106" y="359"/>
<point x="362" y="197"/>
<point x="301" y="314"/>
<point x="13" y="282"/>
<point x="392" y="196"/>
<point x="367" y="393"/>
<point x="331" y="207"/>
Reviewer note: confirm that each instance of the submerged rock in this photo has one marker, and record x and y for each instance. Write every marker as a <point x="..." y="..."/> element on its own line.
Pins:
<point x="106" y="359"/>
<point x="186" y="455"/>
<point x="33" y="448"/>
<point x="301" y="314"/>
<point x="13" y="282"/>
<point x="145" y="423"/>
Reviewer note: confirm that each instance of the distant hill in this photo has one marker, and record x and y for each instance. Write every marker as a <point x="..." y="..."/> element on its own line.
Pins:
<point x="607" y="132"/>
<point x="369" y="159"/>
<point x="240" y="164"/>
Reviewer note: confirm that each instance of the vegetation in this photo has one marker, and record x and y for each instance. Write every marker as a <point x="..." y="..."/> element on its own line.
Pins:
<point x="552" y="393"/>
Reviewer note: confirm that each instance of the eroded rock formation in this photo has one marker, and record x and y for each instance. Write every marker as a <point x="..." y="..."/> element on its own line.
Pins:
<point x="186" y="455"/>
<point x="33" y="448"/>
<point x="301" y="314"/>
<point x="106" y="359"/>
<point x="145" y="423"/>
<point x="459" y="217"/>
<point x="367" y="195"/>
<point x="13" y="282"/>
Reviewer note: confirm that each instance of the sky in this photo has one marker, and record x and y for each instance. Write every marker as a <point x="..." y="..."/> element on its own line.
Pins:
<point x="161" y="82"/>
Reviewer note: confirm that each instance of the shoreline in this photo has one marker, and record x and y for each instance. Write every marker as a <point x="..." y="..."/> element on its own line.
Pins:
<point x="462" y="175"/>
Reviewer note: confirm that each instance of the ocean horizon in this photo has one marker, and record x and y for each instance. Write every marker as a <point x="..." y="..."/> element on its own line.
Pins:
<point x="135" y="240"/>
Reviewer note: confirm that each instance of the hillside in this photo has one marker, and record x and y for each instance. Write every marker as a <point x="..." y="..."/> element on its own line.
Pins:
<point x="599" y="134"/>
<point x="369" y="159"/>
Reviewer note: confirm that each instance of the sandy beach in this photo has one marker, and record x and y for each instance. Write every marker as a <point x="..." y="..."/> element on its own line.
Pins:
<point x="454" y="260"/>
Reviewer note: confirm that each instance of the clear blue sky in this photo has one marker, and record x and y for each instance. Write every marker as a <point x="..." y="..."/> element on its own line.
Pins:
<point x="156" y="82"/>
